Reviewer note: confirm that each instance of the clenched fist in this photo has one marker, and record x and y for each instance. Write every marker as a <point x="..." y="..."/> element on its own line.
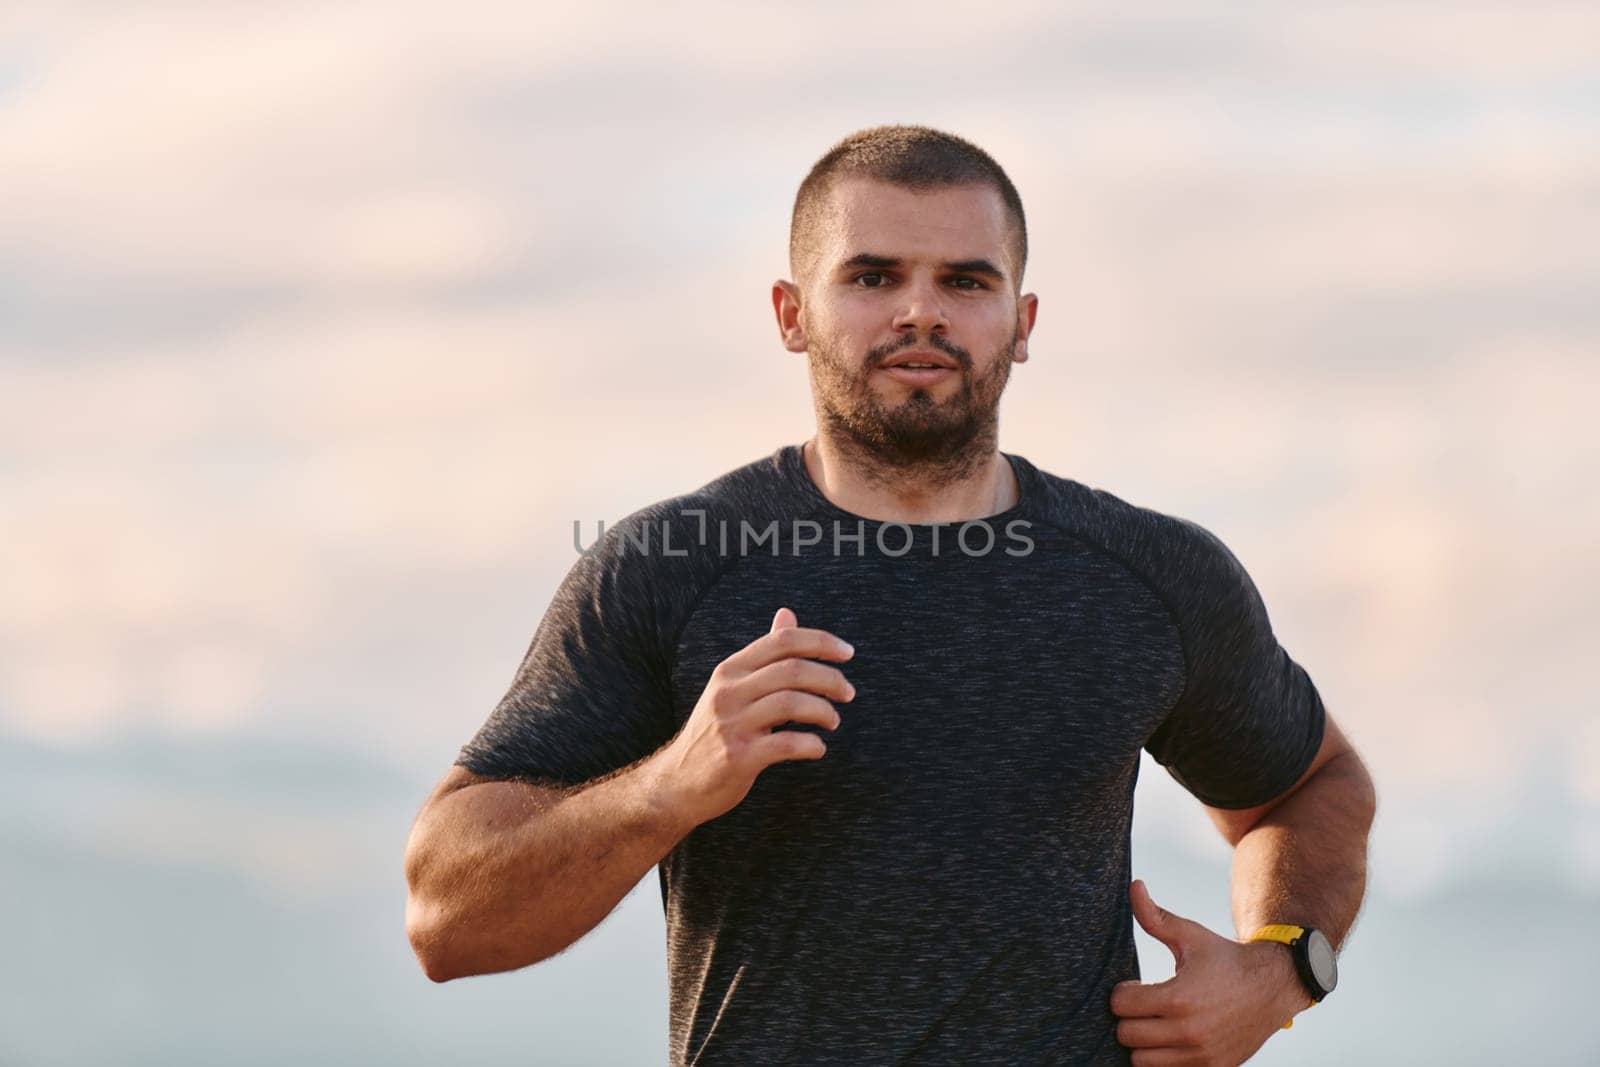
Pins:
<point x="710" y="766"/>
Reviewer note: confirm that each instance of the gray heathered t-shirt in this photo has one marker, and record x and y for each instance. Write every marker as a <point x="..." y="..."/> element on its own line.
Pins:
<point x="949" y="883"/>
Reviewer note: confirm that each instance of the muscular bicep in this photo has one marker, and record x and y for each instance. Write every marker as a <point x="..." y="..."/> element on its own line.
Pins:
<point x="457" y="777"/>
<point x="519" y="791"/>
<point x="1234" y="823"/>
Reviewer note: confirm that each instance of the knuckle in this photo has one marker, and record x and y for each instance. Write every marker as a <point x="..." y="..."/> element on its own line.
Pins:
<point x="719" y="699"/>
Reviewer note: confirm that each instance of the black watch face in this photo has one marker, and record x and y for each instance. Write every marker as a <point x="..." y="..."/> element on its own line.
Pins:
<point x="1323" y="964"/>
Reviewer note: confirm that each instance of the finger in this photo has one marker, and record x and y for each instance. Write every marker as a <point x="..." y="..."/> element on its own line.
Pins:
<point x="1155" y="1033"/>
<point x="784" y="619"/>
<point x="1167" y="1057"/>
<point x="803" y="674"/>
<point x="782" y="745"/>
<point x="1136" y="1000"/>
<point x="791" y="705"/>
<point x="787" y="641"/>
<point x="1157" y="921"/>
<point x="1145" y="909"/>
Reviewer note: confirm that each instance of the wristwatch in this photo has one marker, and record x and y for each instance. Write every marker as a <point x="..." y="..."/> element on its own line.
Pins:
<point x="1313" y="955"/>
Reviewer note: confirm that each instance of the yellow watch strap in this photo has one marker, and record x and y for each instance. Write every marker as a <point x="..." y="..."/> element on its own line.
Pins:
<point x="1285" y="932"/>
<point x="1278" y="932"/>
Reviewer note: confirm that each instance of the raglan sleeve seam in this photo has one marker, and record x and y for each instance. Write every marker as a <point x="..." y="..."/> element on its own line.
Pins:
<point x="680" y="625"/>
<point x="1155" y="591"/>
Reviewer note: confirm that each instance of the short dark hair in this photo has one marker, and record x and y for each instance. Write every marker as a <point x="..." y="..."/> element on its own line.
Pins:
<point x="913" y="157"/>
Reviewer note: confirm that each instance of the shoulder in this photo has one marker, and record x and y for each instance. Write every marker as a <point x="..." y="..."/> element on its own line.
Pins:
<point x="669" y="551"/>
<point x="685" y="526"/>
<point x="1187" y="566"/>
<point x="1171" y="550"/>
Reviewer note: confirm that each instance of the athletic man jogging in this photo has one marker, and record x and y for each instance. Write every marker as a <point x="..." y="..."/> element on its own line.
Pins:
<point x="875" y="705"/>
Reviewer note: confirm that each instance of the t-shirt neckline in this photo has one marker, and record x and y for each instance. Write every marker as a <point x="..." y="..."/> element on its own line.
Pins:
<point x="792" y="459"/>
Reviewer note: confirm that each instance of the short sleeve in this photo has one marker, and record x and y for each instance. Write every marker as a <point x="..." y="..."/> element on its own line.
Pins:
<point x="593" y="692"/>
<point x="1249" y="720"/>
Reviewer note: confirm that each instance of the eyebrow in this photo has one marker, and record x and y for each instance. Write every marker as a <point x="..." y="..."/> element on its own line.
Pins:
<point x="962" y="266"/>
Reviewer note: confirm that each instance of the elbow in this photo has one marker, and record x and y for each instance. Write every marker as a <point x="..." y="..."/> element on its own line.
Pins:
<point x="428" y="943"/>
<point x="433" y="972"/>
<point x="431" y="941"/>
<point x="1357" y="793"/>
<point x="427" y="926"/>
<point x="444" y="952"/>
<point x="1366" y="792"/>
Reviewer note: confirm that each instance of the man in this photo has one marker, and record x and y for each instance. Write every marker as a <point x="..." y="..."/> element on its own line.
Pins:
<point x="875" y="704"/>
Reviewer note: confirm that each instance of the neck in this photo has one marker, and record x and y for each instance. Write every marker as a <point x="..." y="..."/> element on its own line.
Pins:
<point x="981" y="483"/>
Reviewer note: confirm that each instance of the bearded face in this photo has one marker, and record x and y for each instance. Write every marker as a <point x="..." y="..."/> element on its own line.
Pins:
<point x="890" y="275"/>
<point x="903" y="424"/>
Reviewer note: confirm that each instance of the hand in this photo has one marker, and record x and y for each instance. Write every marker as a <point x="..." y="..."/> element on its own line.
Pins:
<point x="1225" y="999"/>
<point x="712" y="763"/>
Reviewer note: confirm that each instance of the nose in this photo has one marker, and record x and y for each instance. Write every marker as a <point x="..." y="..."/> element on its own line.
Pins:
<point x="922" y="308"/>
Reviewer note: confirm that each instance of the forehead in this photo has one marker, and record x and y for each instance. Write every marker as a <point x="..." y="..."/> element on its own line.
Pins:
<point x="944" y="223"/>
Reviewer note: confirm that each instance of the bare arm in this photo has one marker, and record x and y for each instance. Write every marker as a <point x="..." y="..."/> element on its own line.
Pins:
<point x="1300" y="859"/>
<point x="1303" y="858"/>
<point x="1306" y="861"/>
<point x="504" y="874"/>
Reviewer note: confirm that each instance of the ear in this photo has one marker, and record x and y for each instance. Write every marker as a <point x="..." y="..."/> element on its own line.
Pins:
<point x="1027" y="312"/>
<point x="786" y="304"/>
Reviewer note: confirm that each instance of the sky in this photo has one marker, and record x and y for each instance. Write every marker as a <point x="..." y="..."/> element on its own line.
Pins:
<point x="321" y="323"/>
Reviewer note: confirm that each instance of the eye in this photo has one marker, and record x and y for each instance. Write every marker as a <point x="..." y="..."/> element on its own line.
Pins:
<point x="976" y="284"/>
<point x="869" y="274"/>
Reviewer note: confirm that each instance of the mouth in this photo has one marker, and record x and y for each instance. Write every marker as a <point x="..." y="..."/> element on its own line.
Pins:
<point x="919" y="368"/>
<point x="917" y="375"/>
<point x="921" y="358"/>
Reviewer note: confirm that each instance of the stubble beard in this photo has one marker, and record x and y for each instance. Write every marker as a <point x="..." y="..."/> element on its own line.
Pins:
<point x="916" y="436"/>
